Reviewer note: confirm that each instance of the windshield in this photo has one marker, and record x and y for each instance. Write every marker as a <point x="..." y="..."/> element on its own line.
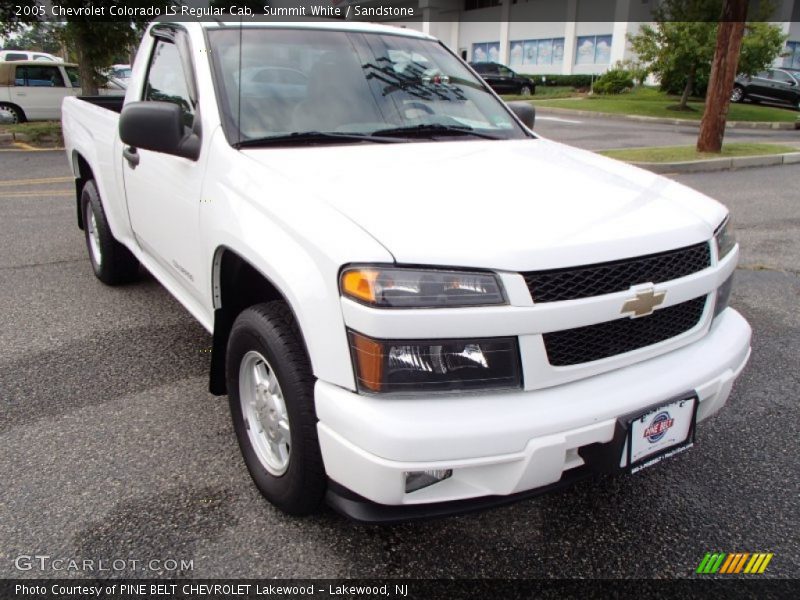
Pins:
<point x="276" y="83"/>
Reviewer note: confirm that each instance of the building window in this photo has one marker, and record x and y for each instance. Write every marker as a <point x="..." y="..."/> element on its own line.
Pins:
<point x="537" y="52"/>
<point x="486" y="52"/>
<point x="476" y="4"/>
<point x="791" y="58"/>
<point x="593" y="50"/>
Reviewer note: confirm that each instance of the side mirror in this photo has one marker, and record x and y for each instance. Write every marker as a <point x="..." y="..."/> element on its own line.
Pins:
<point x="525" y="112"/>
<point x="157" y="126"/>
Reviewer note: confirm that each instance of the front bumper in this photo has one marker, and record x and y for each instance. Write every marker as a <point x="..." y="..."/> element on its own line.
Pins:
<point x="502" y="446"/>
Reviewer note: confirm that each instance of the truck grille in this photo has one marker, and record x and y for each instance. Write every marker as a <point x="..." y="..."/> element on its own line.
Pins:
<point x="605" y="278"/>
<point x="593" y="342"/>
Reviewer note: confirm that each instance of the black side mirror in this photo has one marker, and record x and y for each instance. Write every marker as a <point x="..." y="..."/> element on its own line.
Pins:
<point x="157" y="126"/>
<point x="525" y="112"/>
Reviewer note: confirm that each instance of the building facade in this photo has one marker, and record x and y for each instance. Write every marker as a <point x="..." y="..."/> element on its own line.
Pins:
<point x="540" y="37"/>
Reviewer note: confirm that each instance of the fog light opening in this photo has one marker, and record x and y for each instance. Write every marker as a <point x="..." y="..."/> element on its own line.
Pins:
<point x="416" y="480"/>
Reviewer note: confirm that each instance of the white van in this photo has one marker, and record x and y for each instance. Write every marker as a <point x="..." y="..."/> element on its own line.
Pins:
<point x="33" y="90"/>
<point x="17" y="55"/>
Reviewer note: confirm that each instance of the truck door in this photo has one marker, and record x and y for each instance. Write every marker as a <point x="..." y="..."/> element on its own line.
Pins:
<point x="163" y="191"/>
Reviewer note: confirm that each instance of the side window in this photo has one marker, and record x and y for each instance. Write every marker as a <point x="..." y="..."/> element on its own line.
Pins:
<point x="36" y="76"/>
<point x="505" y="72"/>
<point x="166" y="80"/>
<point x="783" y="77"/>
<point x="42" y="57"/>
<point x="764" y="75"/>
<point x="15" y="56"/>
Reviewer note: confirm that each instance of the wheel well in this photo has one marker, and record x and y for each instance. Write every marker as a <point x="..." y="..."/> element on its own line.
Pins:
<point x="18" y="108"/>
<point x="84" y="174"/>
<point x="237" y="285"/>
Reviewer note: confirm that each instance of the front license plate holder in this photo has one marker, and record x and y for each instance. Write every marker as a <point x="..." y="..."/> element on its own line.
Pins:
<point x="660" y="432"/>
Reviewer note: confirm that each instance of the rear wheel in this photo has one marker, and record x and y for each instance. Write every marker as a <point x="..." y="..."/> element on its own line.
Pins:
<point x="271" y="394"/>
<point x="113" y="263"/>
<point x="11" y="114"/>
<point x="737" y="95"/>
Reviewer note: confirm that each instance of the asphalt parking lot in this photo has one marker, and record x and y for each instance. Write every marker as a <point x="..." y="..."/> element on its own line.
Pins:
<point x="112" y="447"/>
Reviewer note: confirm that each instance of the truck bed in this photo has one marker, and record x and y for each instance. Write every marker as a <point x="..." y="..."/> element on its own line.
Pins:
<point x="108" y="102"/>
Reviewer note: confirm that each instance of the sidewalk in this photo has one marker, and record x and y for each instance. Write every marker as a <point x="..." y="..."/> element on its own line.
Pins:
<point x="661" y="121"/>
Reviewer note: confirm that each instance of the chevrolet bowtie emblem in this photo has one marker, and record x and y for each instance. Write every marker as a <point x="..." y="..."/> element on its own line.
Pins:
<point x="644" y="303"/>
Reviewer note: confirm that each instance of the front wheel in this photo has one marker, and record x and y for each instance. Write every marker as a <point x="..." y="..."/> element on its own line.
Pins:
<point x="525" y="90"/>
<point x="113" y="263"/>
<point x="271" y="394"/>
<point x="737" y="95"/>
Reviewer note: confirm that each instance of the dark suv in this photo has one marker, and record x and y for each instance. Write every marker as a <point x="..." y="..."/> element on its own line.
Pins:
<point x="772" y="85"/>
<point x="503" y="80"/>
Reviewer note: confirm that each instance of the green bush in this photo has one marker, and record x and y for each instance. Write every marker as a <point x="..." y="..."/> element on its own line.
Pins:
<point x="614" y="81"/>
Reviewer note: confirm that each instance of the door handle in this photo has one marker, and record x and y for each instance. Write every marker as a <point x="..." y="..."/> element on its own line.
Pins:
<point x="21" y="94"/>
<point x="131" y="155"/>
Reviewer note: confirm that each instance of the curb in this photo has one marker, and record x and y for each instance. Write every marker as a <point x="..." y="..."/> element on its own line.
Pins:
<point x="785" y="126"/>
<point x="721" y="164"/>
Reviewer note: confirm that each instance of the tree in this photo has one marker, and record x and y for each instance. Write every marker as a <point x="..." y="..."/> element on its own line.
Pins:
<point x="44" y="37"/>
<point x="723" y="74"/>
<point x="680" y="47"/>
<point x="97" y="45"/>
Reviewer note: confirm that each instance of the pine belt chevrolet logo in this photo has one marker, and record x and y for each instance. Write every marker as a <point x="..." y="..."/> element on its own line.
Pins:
<point x="732" y="563"/>
<point x="643" y="304"/>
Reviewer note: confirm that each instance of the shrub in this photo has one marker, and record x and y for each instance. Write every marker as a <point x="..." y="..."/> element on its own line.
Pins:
<point x="614" y="81"/>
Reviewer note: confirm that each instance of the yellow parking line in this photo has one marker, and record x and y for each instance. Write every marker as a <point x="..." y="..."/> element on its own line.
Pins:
<point x="38" y="194"/>
<point x="41" y="180"/>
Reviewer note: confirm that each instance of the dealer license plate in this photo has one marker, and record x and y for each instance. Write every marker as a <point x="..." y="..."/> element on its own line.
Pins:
<point x="660" y="433"/>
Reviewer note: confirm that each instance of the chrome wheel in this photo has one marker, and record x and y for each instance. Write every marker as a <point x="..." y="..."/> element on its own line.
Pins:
<point x="94" y="235"/>
<point x="737" y="94"/>
<point x="525" y="91"/>
<point x="264" y="412"/>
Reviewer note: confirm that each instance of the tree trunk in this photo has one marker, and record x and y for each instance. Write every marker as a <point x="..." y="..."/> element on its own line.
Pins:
<point x="86" y="67"/>
<point x="688" y="89"/>
<point x="723" y="74"/>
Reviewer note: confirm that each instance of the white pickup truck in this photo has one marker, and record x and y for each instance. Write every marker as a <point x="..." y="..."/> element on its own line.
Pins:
<point x="400" y="330"/>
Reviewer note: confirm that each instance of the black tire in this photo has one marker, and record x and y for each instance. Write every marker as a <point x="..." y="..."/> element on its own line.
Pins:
<point x="116" y="264"/>
<point x="15" y="113"/>
<point x="271" y="330"/>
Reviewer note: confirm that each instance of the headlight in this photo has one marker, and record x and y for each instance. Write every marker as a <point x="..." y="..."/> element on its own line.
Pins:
<point x="725" y="238"/>
<point x="391" y="287"/>
<point x="435" y="365"/>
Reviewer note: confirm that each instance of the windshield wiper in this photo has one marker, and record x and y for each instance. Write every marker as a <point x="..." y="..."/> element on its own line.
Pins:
<point x="433" y="130"/>
<point x="312" y="137"/>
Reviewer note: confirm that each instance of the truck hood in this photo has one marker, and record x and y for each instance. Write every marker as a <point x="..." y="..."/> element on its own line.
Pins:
<point x="514" y="205"/>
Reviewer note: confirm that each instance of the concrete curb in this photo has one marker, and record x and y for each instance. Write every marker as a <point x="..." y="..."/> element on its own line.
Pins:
<point x="721" y="164"/>
<point x="785" y="126"/>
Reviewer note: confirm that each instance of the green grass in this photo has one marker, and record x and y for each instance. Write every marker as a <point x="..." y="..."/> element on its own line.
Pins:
<point x="661" y="154"/>
<point x="46" y="133"/>
<point x="545" y="92"/>
<point x="648" y="102"/>
<point x="37" y="133"/>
